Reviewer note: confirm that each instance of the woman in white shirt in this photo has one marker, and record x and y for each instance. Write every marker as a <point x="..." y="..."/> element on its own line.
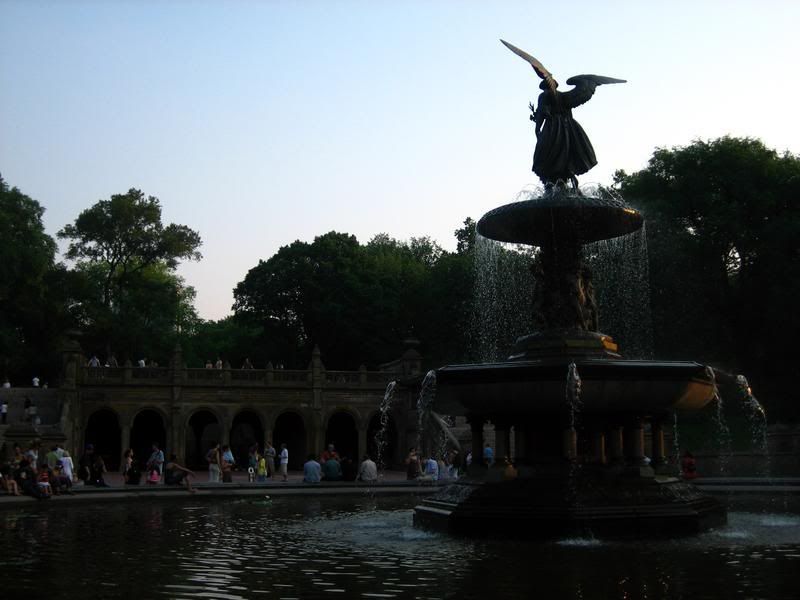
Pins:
<point x="67" y="466"/>
<point x="284" y="464"/>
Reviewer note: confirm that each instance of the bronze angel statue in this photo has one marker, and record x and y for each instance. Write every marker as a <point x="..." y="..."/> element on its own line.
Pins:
<point x="563" y="149"/>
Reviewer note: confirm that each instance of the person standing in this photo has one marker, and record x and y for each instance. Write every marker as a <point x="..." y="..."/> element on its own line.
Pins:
<point x="67" y="466"/>
<point x="155" y="464"/>
<point x="488" y="455"/>
<point x="228" y="463"/>
<point x="284" y="462"/>
<point x="4" y="412"/>
<point x="35" y="381"/>
<point x="214" y="459"/>
<point x="270" y="454"/>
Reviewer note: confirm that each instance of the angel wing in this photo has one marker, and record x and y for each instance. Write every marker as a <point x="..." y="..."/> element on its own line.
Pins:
<point x="537" y="66"/>
<point x="585" y="85"/>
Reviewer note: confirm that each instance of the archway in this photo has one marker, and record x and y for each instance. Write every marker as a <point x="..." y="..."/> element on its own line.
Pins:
<point x="202" y="431"/>
<point x="148" y="427"/>
<point x="382" y="441"/>
<point x="343" y="433"/>
<point x="290" y="430"/>
<point x="104" y="433"/>
<point x="246" y="431"/>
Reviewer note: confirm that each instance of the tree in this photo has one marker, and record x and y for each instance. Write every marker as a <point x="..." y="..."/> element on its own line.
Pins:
<point x="130" y="298"/>
<point x="125" y="235"/>
<point x="26" y="260"/>
<point x="357" y="302"/>
<point x="723" y="225"/>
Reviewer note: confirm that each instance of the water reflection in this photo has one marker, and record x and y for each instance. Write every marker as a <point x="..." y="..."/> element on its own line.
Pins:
<point x="363" y="548"/>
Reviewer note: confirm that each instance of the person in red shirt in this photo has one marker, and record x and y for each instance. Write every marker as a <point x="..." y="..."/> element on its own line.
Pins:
<point x="329" y="453"/>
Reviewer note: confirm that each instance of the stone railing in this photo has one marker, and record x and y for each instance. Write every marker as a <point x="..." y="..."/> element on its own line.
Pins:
<point x="310" y="378"/>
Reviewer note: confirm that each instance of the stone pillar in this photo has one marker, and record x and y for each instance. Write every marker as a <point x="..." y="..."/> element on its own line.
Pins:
<point x="634" y="443"/>
<point x="598" y="447"/>
<point x="520" y="442"/>
<point x="125" y="437"/>
<point x="476" y="427"/>
<point x="362" y="443"/>
<point x="657" y="453"/>
<point x="501" y="442"/>
<point x="615" y="445"/>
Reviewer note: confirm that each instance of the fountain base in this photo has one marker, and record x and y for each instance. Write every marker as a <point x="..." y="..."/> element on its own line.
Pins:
<point x="567" y="506"/>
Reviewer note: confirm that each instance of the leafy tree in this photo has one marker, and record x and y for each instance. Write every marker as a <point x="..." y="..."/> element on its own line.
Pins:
<point x="129" y="297"/>
<point x="26" y="260"/>
<point x="125" y="235"/>
<point x="358" y="302"/>
<point x="723" y="226"/>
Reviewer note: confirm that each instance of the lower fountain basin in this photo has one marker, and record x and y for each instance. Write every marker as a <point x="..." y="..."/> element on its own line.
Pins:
<point x="609" y="386"/>
<point x="571" y="505"/>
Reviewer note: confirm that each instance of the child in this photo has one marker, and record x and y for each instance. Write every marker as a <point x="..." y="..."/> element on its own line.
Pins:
<point x="261" y="470"/>
<point x="43" y="482"/>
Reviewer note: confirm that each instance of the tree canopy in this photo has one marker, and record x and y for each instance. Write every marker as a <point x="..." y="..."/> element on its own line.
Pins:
<point x="723" y="225"/>
<point x="357" y="302"/>
<point x="129" y="299"/>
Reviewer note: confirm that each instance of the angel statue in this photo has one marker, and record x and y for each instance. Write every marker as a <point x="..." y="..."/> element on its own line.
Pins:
<point x="563" y="149"/>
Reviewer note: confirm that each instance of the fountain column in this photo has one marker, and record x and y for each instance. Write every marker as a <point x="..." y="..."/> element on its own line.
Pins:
<point x="520" y="442"/>
<point x="634" y="442"/>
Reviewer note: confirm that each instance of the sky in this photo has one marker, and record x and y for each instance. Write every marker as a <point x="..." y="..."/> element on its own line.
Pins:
<point x="261" y="123"/>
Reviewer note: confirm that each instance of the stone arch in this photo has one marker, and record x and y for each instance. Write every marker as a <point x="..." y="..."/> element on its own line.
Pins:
<point x="203" y="427"/>
<point x="290" y="429"/>
<point x="148" y="425"/>
<point x="247" y="429"/>
<point x="103" y="431"/>
<point x="383" y="441"/>
<point x="341" y="430"/>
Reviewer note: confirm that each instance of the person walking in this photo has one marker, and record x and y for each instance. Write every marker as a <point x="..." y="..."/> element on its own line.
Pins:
<point x="4" y="412"/>
<point x="284" y="462"/>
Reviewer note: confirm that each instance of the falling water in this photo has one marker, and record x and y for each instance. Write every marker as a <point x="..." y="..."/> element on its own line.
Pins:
<point x="620" y="275"/>
<point x="427" y="394"/>
<point x="432" y="426"/>
<point x="757" y="417"/>
<point x="573" y="392"/>
<point x="723" y="432"/>
<point x="676" y="442"/>
<point x="503" y="298"/>
<point x="380" y="436"/>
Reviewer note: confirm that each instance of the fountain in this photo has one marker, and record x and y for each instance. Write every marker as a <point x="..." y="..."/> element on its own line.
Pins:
<point x="575" y="475"/>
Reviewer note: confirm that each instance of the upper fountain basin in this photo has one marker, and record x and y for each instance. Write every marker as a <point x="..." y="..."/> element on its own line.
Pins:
<point x="608" y="387"/>
<point x="560" y="213"/>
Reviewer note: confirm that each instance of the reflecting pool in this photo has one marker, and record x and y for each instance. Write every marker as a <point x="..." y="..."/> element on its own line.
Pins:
<point x="366" y="547"/>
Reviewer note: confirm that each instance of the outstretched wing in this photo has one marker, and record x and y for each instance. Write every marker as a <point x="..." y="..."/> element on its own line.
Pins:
<point x="585" y="86"/>
<point x="537" y="66"/>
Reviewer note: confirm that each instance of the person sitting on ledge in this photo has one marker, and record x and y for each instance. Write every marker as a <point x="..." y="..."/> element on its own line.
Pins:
<point x="97" y="472"/>
<point x="332" y="470"/>
<point x="175" y="474"/>
<point x="510" y="471"/>
<point x="312" y="471"/>
<point x="431" y="472"/>
<point x="368" y="471"/>
<point x="327" y="454"/>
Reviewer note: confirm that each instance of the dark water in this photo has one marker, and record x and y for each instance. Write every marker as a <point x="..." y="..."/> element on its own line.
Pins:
<point x="367" y="548"/>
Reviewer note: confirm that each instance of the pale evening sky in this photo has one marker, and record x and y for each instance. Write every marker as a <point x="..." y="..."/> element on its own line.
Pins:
<point x="259" y="123"/>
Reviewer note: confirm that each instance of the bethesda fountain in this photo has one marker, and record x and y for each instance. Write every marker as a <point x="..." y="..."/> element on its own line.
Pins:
<point x="579" y="410"/>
